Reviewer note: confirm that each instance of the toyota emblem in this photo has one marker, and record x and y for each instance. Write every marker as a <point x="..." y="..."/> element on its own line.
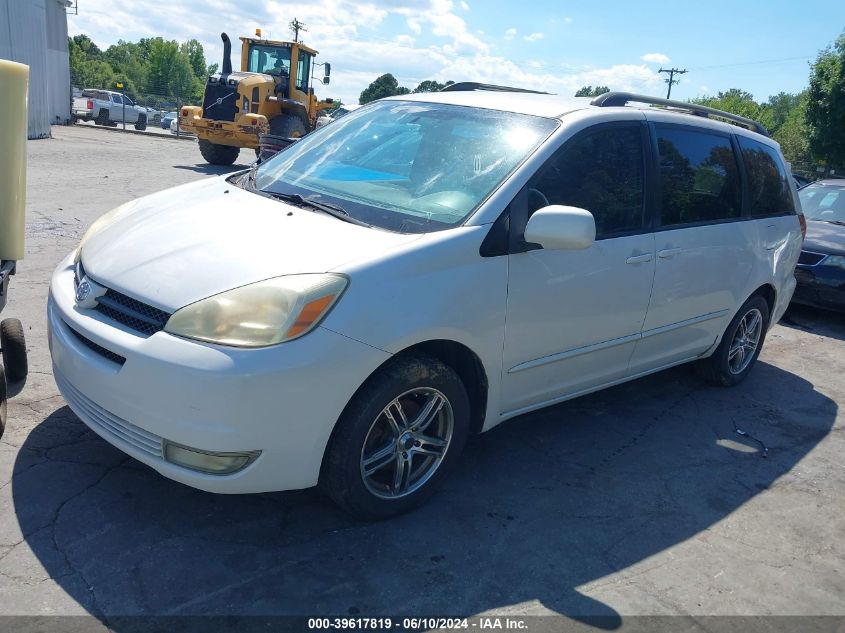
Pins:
<point x="83" y="291"/>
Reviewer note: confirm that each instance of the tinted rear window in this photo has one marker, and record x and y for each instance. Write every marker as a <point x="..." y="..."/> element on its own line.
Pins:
<point x="699" y="177"/>
<point x="770" y="192"/>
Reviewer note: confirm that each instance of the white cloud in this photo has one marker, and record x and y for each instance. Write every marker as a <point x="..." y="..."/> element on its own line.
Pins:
<point x="464" y="6"/>
<point x="703" y="91"/>
<point x="533" y="37"/>
<point x="655" y="58"/>
<point x="352" y="35"/>
<point x="568" y="20"/>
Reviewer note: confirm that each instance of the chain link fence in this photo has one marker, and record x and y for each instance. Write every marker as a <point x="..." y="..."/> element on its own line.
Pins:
<point x="113" y="103"/>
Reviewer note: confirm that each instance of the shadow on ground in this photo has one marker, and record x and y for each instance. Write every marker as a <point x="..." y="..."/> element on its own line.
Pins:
<point x="815" y="320"/>
<point x="540" y="506"/>
<point x="217" y="170"/>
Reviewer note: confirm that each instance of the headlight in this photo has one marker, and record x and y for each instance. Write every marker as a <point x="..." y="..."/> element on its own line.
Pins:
<point x="261" y="314"/>
<point x="836" y="261"/>
<point x="100" y="223"/>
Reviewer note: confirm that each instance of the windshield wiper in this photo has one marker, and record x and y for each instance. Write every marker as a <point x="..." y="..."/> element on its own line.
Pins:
<point x="836" y="222"/>
<point x="328" y="208"/>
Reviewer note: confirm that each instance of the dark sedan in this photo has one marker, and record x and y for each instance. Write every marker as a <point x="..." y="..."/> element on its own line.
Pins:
<point x="821" y="268"/>
<point x="167" y="119"/>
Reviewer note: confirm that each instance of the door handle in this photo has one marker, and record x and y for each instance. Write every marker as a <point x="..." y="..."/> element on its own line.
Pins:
<point x="668" y="253"/>
<point x="639" y="259"/>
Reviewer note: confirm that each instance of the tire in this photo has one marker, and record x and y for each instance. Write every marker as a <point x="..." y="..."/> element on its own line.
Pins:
<point x="13" y="345"/>
<point x="3" y="406"/>
<point x="102" y="118"/>
<point x="728" y="366"/>
<point x="415" y="382"/>
<point x="141" y="124"/>
<point x="288" y="126"/>
<point x="219" y="154"/>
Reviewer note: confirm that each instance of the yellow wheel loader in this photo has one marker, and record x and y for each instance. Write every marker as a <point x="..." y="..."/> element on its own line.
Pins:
<point x="272" y="94"/>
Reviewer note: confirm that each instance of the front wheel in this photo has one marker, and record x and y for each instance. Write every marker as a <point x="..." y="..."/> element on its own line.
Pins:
<point x="218" y="154"/>
<point x="13" y="345"/>
<point x="3" y="405"/>
<point x="398" y="438"/>
<point x="740" y="346"/>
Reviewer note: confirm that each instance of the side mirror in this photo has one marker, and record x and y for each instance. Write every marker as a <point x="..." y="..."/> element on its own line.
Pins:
<point x="561" y="228"/>
<point x="326" y="80"/>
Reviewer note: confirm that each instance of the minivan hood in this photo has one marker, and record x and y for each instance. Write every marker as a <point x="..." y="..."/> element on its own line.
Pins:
<point x="824" y="237"/>
<point x="184" y="244"/>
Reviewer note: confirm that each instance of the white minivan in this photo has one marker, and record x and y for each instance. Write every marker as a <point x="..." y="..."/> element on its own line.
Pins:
<point x="426" y="267"/>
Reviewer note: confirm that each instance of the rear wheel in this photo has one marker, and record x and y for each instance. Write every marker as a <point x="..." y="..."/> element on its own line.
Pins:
<point x="141" y="124"/>
<point x="2" y="401"/>
<point x="13" y="345"/>
<point x="102" y="118"/>
<point x="218" y="154"/>
<point x="740" y="346"/>
<point x="288" y="126"/>
<point x="398" y="438"/>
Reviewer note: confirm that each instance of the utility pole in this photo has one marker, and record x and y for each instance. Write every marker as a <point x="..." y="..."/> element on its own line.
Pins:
<point x="672" y="72"/>
<point x="296" y="26"/>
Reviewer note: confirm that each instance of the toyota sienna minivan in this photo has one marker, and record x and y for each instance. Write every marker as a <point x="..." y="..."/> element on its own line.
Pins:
<point x="426" y="267"/>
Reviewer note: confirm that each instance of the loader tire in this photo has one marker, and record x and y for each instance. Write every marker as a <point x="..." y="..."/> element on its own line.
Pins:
<point x="218" y="154"/>
<point x="288" y="126"/>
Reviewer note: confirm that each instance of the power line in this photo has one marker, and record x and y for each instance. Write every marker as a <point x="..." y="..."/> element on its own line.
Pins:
<point x="671" y="80"/>
<point x="764" y="61"/>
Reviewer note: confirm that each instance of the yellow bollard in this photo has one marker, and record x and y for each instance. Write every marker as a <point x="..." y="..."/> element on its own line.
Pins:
<point x="14" y="78"/>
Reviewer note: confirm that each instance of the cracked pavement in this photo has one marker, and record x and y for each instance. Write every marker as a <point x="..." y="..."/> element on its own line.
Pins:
<point x="638" y="500"/>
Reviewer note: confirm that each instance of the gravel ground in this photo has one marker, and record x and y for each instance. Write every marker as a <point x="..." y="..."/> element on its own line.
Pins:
<point x="638" y="500"/>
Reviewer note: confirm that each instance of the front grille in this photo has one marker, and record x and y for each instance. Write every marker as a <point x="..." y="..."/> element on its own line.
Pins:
<point x="808" y="258"/>
<point x="228" y="101"/>
<point x="132" y="313"/>
<point x="102" y="351"/>
<point x="107" y="424"/>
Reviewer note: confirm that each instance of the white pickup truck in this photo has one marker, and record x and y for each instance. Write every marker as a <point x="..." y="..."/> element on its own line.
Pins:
<point x="105" y="107"/>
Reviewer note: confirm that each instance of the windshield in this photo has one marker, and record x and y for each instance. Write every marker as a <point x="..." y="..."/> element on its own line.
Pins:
<point x="410" y="167"/>
<point x="271" y="60"/>
<point x="823" y="202"/>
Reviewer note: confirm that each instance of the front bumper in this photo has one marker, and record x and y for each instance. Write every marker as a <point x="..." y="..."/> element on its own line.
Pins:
<point x="242" y="132"/>
<point x="820" y="286"/>
<point x="282" y="400"/>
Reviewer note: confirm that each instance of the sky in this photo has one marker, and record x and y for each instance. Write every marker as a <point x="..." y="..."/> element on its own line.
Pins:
<point x="763" y="47"/>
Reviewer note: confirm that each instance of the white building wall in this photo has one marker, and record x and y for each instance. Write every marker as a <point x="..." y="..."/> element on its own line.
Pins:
<point x="24" y="39"/>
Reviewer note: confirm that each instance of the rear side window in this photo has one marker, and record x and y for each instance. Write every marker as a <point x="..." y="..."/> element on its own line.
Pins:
<point x="768" y="183"/>
<point x="699" y="177"/>
<point x="600" y="171"/>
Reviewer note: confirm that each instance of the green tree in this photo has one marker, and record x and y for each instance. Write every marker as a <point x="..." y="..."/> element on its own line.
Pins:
<point x="430" y="85"/>
<point x="95" y="74"/>
<point x="735" y="101"/>
<point x="826" y="104"/>
<point x="196" y="56"/>
<point x="793" y="134"/>
<point x="182" y="80"/>
<point x="384" y="86"/>
<point x="162" y="58"/>
<point x="589" y="91"/>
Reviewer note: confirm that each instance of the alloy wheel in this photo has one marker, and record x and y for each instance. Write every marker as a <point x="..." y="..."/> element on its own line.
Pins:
<point x="407" y="443"/>
<point x="745" y="341"/>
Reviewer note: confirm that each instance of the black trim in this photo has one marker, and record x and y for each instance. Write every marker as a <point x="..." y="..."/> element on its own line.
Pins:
<point x="99" y="349"/>
<point x="616" y="99"/>
<point x="497" y="241"/>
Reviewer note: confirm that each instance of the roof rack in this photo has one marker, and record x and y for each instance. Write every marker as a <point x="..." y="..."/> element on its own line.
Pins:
<point x="610" y="99"/>
<point x="464" y="86"/>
